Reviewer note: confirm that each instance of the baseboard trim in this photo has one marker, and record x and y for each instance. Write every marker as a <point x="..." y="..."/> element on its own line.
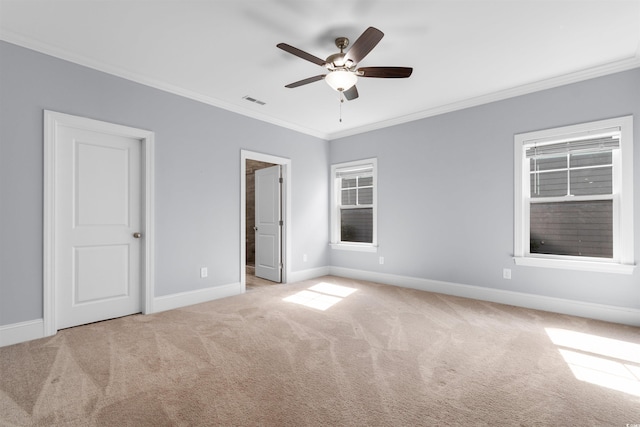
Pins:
<point x="21" y="332"/>
<point x="183" y="299"/>
<point x="311" y="273"/>
<point x="34" y="329"/>
<point x="608" y="313"/>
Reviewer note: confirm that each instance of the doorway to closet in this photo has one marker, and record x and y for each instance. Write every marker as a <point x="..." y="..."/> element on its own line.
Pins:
<point x="263" y="215"/>
<point x="265" y="192"/>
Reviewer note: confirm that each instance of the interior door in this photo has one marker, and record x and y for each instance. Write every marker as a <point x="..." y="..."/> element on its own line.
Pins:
<point x="98" y="223"/>
<point x="268" y="227"/>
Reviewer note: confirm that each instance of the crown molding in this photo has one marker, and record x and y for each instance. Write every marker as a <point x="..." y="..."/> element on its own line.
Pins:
<point x="573" y="77"/>
<point x="569" y="78"/>
<point x="60" y="53"/>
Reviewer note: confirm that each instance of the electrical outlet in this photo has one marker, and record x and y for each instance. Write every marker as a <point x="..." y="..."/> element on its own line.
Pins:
<point x="506" y="273"/>
<point x="204" y="272"/>
<point x="381" y="260"/>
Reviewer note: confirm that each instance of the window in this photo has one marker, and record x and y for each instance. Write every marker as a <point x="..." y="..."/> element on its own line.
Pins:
<point x="353" y="218"/>
<point x="574" y="197"/>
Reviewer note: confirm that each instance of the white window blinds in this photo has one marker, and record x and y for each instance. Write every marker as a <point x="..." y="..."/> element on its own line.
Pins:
<point x="361" y="171"/>
<point x="536" y="150"/>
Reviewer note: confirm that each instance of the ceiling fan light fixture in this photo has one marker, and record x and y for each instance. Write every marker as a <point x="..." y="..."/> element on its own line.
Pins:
<point x="342" y="66"/>
<point x="341" y="80"/>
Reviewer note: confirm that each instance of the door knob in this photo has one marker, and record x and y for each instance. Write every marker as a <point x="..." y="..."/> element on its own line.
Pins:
<point x="137" y="235"/>
<point x="255" y="228"/>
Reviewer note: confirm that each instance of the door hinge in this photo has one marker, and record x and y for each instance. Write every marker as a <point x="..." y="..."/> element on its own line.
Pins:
<point x="281" y="223"/>
<point x="280" y="180"/>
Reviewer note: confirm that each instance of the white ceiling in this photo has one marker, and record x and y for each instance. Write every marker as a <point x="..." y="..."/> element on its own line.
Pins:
<point x="463" y="53"/>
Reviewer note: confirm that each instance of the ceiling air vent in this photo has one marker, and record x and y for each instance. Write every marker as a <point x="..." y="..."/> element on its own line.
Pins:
<point x="257" y="101"/>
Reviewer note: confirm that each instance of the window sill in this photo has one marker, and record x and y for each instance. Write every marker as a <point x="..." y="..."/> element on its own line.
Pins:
<point x="602" y="267"/>
<point x="354" y="247"/>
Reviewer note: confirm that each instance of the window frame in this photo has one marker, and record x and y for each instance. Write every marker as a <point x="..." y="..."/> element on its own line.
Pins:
<point x="336" y="203"/>
<point x="623" y="235"/>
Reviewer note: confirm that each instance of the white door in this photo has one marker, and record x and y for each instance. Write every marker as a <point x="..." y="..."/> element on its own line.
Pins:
<point x="97" y="220"/>
<point x="268" y="225"/>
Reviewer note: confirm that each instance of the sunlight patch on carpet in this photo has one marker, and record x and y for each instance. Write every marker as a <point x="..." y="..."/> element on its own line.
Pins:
<point x="321" y="296"/>
<point x="336" y="290"/>
<point x="605" y="362"/>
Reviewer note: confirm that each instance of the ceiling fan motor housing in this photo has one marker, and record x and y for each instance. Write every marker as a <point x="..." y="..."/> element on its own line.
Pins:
<point x="336" y="61"/>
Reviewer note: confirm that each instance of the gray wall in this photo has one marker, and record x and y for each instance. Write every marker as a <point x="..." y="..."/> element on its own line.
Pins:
<point x="446" y="192"/>
<point x="445" y="183"/>
<point x="197" y="176"/>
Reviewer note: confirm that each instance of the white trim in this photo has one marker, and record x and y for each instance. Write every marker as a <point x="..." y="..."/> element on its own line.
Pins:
<point x="21" y="332"/>
<point x="574" y="77"/>
<point x="48" y="294"/>
<point x="566" y="79"/>
<point x="84" y="61"/>
<point x="198" y="296"/>
<point x="626" y="188"/>
<point x="35" y="329"/>
<point x="148" y="153"/>
<point x="623" y="261"/>
<point x="608" y="313"/>
<point x="308" y="274"/>
<point x="354" y="247"/>
<point x="30" y="330"/>
<point x="287" y="216"/>
<point x="566" y="264"/>
<point x="52" y="120"/>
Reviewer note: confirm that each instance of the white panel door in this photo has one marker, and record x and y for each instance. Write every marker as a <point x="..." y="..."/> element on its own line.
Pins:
<point x="268" y="227"/>
<point x="97" y="216"/>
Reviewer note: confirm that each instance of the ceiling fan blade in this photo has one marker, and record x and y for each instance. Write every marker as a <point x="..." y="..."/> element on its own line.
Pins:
<point x="385" y="72"/>
<point x="351" y="93"/>
<point x="301" y="54"/>
<point x="305" y="81"/>
<point x="365" y="43"/>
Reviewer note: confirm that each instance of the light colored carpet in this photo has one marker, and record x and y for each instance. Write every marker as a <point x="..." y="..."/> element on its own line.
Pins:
<point x="381" y="355"/>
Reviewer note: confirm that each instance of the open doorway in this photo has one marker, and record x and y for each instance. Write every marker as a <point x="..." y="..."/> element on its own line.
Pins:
<point x="254" y="280"/>
<point x="264" y="210"/>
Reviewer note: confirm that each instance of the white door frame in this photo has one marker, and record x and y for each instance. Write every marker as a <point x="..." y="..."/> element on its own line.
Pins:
<point x="52" y="120"/>
<point x="286" y="211"/>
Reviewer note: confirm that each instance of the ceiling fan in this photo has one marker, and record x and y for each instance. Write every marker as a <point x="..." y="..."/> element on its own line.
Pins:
<point x="343" y="74"/>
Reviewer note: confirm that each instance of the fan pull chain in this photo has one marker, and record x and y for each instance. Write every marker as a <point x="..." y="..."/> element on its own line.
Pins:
<point x="341" y="102"/>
